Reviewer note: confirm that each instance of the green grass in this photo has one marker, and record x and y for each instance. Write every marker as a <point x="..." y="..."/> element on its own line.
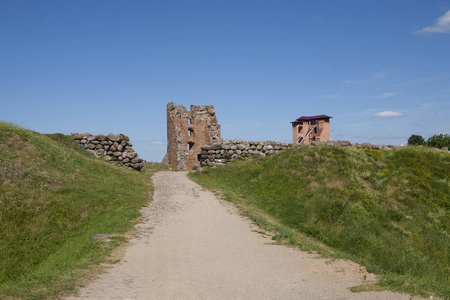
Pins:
<point x="388" y="210"/>
<point x="53" y="197"/>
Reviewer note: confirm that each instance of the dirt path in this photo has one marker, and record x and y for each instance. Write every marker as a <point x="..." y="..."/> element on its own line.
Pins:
<point x="193" y="246"/>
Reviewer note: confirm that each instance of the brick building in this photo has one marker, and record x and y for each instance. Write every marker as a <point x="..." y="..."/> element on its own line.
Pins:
<point x="187" y="131"/>
<point x="310" y="129"/>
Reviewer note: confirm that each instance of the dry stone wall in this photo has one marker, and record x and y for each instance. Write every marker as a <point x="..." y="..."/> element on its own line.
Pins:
<point x="114" y="148"/>
<point x="219" y="154"/>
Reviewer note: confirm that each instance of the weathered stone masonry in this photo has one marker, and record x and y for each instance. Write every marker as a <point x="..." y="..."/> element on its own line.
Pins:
<point x="219" y="154"/>
<point x="114" y="148"/>
<point x="187" y="131"/>
<point x="229" y="150"/>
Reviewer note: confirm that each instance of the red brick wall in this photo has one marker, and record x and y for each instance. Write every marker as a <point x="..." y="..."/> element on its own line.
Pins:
<point x="187" y="131"/>
<point x="299" y="129"/>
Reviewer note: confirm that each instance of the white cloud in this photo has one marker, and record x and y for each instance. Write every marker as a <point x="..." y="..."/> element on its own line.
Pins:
<point x="156" y="143"/>
<point x="388" y="114"/>
<point x="442" y="25"/>
<point x="387" y="95"/>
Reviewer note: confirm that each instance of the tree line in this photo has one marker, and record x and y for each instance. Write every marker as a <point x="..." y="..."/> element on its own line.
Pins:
<point x="436" y="141"/>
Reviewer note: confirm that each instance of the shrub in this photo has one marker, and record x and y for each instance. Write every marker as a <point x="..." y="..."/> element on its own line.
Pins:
<point x="439" y="140"/>
<point x="415" y="140"/>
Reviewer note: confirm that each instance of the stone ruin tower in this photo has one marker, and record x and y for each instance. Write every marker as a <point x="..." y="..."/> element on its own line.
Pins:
<point x="187" y="131"/>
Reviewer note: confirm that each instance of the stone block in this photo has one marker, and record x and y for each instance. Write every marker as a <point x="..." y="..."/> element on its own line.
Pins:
<point x="342" y="143"/>
<point x="136" y="166"/>
<point x="100" y="137"/>
<point x="131" y="155"/>
<point x="77" y="136"/>
<point x="112" y="137"/>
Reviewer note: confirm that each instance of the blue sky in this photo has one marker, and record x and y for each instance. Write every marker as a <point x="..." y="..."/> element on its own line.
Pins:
<point x="380" y="68"/>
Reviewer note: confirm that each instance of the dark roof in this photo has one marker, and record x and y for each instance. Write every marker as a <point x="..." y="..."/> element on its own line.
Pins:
<point x="305" y="118"/>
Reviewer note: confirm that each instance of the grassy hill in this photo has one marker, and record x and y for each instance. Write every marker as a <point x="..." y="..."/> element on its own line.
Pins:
<point x="388" y="210"/>
<point x="53" y="197"/>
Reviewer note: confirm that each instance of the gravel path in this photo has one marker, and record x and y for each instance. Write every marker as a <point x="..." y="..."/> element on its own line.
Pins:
<point x="193" y="246"/>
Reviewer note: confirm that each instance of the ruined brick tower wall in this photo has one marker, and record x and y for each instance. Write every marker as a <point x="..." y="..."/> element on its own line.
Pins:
<point x="187" y="131"/>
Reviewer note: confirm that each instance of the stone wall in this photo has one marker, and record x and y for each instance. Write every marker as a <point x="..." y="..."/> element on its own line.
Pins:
<point x="114" y="148"/>
<point x="219" y="154"/>
<point x="222" y="153"/>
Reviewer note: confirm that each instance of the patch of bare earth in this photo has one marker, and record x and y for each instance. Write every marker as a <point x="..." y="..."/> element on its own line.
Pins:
<point x="193" y="246"/>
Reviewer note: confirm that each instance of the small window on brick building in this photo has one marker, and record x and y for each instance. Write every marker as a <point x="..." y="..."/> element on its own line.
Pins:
<point x="189" y="121"/>
<point x="190" y="132"/>
<point x="190" y="145"/>
<point x="300" y="129"/>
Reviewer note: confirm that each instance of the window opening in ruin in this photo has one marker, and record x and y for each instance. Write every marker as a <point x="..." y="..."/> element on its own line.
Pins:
<point x="190" y="145"/>
<point x="300" y="128"/>
<point x="189" y="121"/>
<point x="190" y="132"/>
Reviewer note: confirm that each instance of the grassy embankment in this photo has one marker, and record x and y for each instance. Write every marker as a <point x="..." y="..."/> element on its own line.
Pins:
<point x="388" y="210"/>
<point x="53" y="197"/>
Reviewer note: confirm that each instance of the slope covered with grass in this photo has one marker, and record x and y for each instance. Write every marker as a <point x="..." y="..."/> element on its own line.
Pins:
<point x="386" y="209"/>
<point x="53" y="197"/>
